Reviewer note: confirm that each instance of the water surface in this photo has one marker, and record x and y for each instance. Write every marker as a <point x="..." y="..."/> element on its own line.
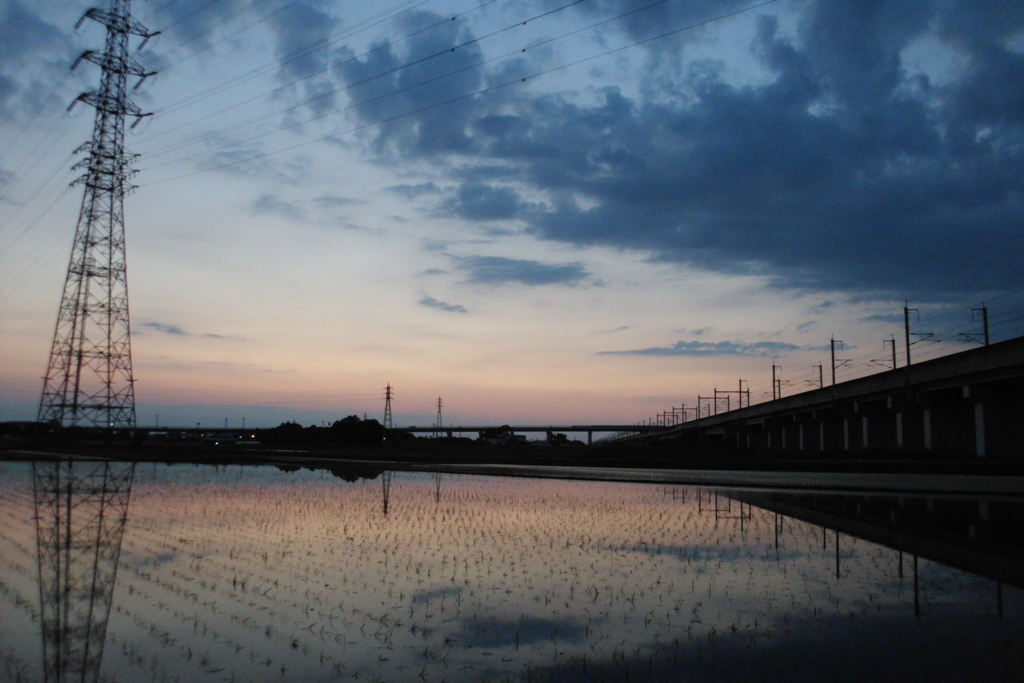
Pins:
<point x="258" y="574"/>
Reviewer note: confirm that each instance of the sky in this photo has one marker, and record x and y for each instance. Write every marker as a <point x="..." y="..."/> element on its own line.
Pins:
<point x="540" y="211"/>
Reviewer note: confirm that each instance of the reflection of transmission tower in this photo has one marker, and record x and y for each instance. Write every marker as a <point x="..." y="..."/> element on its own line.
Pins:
<point x="388" y="424"/>
<point x="81" y="509"/>
<point x="89" y="376"/>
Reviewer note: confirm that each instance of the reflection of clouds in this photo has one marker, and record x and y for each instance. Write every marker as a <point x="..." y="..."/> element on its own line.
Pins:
<point x="718" y="553"/>
<point x="436" y="594"/>
<point x="152" y="560"/>
<point x="505" y="578"/>
<point x="527" y="631"/>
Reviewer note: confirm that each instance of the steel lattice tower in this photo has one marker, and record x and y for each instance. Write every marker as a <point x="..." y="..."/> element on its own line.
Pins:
<point x="89" y="378"/>
<point x="388" y="422"/>
<point x="81" y="509"/>
<point x="440" y="422"/>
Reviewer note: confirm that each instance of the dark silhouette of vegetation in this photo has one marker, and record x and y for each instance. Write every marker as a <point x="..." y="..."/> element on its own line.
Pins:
<point x="557" y="438"/>
<point x="502" y="433"/>
<point x="348" y="431"/>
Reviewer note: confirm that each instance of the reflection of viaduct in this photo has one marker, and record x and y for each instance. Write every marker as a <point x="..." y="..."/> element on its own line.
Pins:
<point x="982" y="536"/>
<point x="965" y="403"/>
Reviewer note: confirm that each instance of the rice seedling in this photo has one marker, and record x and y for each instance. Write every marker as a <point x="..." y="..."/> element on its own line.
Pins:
<point x="252" y="573"/>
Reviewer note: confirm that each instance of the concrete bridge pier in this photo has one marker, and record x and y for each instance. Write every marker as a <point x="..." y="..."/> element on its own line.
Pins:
<point x="809" y="432"/>
<point x="830" y="431"/>
<point x="878" y="425"/>
<point x="949" y="421"/>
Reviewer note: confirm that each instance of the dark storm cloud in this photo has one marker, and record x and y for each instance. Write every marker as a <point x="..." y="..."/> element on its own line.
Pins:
<point x="849" y="169"/>
<point x="764" y="349"/>
<point x="431" y="302"/>
<point x="496" y="270"/>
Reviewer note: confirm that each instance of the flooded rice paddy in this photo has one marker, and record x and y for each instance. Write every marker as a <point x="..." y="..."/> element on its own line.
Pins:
<point x="199" y="573"/>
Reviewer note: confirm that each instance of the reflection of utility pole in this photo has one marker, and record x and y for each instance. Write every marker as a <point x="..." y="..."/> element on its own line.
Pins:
<point x="80" y="509"/>
<point x="385" y="481"/>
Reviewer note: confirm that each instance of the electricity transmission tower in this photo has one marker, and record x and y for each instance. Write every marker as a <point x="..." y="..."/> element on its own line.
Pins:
<point x="89" y="377"/>
<point x="440" y="423"/>
<point x="388" y="423"/>
<point x="81" y="509"/>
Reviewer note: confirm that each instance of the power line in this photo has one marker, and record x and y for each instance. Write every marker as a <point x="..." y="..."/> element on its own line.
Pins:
<point x="303" y="52"/>
<point x="482" y="91"/>
<point x="330" y="93"/>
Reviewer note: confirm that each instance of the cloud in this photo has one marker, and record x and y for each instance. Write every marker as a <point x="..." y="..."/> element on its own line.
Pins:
<point x="334" y="201"/>
<point x="166" y="329"/>
<point x="28" y="42"/>
<point x="884" y="318"/>
<point x="414" y="191"/>
<point x="434" y="271"/>
<point x="424" y="81"/>
<point x="497" y="270"/>
<point x="482" y="202"/>
<point x="303" y="72"/>
<point x="844" y="166"/>
<point x="192" y="24"/>
<point x="269" y="204"/>
<point x="237" y="156"/>
<point x="431" y="302"/>
<point x="764" y="349"/>
<point x="818" y="309"/>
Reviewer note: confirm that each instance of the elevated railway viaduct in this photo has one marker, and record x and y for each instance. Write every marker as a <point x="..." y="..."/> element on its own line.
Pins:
<point x="968" y="403"/>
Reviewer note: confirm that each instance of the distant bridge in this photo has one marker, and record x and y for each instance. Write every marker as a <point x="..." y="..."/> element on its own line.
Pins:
<point x="589" y="429"/>
<point x="967" y="403"/>
<point x="578" y="429"/>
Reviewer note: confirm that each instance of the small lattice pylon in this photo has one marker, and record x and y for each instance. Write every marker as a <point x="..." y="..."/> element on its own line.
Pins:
<point x="388" y="393"/>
